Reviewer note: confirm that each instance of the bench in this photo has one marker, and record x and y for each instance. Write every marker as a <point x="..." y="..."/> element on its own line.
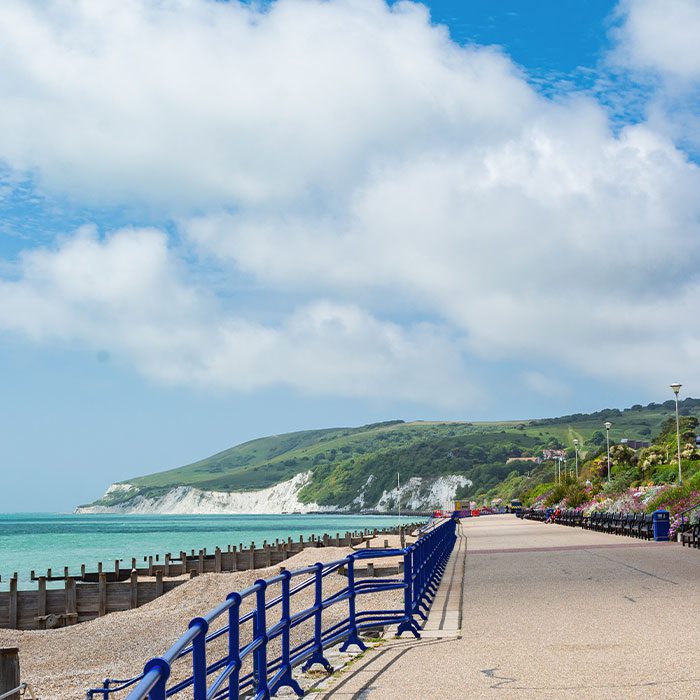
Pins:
<point x="691" y="537"/>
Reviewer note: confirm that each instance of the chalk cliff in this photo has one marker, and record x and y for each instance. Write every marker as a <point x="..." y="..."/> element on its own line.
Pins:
<point x="416" y="494"/>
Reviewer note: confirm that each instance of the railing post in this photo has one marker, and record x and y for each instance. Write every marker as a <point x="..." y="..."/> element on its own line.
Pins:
<point x="234" y="650"/>
<point x="260" y="632"/>
<point x="317" y="656"/>
<point x="199" y="659"/>
<point x="158" y="690"/>
<point x="408" y="624"/>
<point x="353" y="637"/>
<point x="286" y="620"/>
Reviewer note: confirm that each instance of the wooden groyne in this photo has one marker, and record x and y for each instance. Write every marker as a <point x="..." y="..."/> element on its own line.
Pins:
<point x="92" y="594"/>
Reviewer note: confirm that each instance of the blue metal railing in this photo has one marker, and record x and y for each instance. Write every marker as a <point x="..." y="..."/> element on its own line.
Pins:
<point x="423" y="565"/>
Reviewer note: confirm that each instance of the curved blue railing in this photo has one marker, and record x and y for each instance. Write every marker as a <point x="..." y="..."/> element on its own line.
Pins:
<point x="423" y="565"/>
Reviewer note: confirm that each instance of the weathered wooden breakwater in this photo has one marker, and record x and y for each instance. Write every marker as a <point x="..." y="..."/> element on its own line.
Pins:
<point x="92" y="594"/>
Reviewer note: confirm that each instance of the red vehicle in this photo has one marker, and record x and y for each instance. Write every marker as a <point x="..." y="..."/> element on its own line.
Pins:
<point x="476" y="513"/>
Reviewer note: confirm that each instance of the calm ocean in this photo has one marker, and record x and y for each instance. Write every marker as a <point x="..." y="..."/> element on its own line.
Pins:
<point x="44" y="540"/>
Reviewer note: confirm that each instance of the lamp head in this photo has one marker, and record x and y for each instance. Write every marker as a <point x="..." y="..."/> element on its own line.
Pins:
<point x="608" y="425"/>
<point x="676" y="388"/>
<point x="576" y="442"/>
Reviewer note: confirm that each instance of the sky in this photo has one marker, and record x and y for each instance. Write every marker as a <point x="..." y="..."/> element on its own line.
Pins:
<point x="224" y="220"/>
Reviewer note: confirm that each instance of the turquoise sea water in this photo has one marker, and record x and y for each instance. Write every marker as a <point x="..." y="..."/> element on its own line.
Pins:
<point x="45" y="540"/>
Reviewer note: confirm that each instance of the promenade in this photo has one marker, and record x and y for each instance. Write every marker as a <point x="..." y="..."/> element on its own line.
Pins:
<point x="546" y="611"/>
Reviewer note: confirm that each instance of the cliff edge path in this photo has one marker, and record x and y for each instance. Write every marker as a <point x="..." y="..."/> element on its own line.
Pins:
<point x="546" y="611"/>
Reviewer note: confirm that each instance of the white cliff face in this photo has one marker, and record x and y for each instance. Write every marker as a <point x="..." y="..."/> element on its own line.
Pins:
<point x="419" y="493"/>
<point x="416" y="494"/>
<point x="187" y="500"/>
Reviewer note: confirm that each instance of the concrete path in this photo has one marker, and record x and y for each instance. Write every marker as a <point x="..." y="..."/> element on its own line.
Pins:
<point x="547" y="611"/>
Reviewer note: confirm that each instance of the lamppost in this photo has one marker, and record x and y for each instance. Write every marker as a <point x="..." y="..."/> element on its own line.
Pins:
<point x="608" y="425"/>
<point x="576" y="450"/>
<point x="676" y="388"/>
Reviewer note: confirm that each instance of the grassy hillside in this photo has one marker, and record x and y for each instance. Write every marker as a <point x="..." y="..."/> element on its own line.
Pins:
<point x="345" y="460"/>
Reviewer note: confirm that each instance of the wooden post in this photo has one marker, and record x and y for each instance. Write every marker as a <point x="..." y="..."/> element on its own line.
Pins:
<point x="200" y="562"/>
<point x="134" y="584"/>
<point x="370" y="569"/>
<point x="9" y="671"/>
<point x="102" y="594"/>
<point x="252" y="555"/>
<point x="116" y="569"/>
<point x="166" y="565"/>
<point x="234" y="559"/>
<point x="133" y="563"/>
<point x="183" y="559"/>
<point x="337" y="539"/>
<point x="65" y="572"/>
<point x="13" y="602"/>
<point x="71" y="601"/>
<point x="217" y="560"/>
<point x="159" y="583"/>
<point x="150" y="566"/>
<point x="99" y="568"/>
<point x="268" y="555"/>
<point x="41" y="601"/>
<point x="82" y="571"/>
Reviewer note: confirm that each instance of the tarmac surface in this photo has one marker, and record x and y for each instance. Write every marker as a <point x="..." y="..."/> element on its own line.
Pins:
<point x="528" y="610"/>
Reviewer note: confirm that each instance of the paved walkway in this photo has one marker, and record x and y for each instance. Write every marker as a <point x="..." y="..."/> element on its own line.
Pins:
<point x="547" y="611"/>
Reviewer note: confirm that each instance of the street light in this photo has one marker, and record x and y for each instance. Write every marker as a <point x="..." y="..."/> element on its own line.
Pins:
<point x="676" y="388"/>
<point x="576" y="450"/>
<point x="608" y="425"/>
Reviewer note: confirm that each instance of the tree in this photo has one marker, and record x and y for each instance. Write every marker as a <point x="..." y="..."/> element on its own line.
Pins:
<point x="597" y="438"/>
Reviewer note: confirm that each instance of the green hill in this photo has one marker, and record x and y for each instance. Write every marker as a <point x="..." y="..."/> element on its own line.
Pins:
<point x="344" y="462"/>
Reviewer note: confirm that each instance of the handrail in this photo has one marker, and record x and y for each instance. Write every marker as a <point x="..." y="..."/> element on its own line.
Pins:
<point x="21" y="688"/>
<point x="424" y="563"/>
<point x="681" y="527"/>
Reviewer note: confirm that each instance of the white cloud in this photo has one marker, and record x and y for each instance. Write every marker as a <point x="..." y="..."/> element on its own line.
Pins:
<point x="198" y="103"/>
<point x="661" y="37"/>
<point x="658" y="43"/>
<point x="126" y="294"/>
<point x="345" y="150"/>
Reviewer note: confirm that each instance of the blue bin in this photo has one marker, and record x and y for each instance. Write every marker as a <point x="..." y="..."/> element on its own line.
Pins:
<point x="661" y="525"/>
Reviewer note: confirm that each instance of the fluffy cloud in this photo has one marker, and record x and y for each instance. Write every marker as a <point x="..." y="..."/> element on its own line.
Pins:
<point x="661" y="37"/>
<point x="657" y="41"/>
<point x="199" y="103"/>
<point x="346" y="150"/>
<point x="127" y="294"/>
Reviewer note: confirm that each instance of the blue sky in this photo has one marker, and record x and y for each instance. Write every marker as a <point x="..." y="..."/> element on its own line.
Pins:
<point x="260" y="219"/>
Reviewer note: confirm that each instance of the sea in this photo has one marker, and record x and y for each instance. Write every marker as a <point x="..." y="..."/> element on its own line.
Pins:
<point x="38" y="541"/>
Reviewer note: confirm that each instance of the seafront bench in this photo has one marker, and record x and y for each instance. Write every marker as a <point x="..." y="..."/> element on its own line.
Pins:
<point x="691" y="537"/>
<point x="628" y="524"/>
<point x="646" y="527"/>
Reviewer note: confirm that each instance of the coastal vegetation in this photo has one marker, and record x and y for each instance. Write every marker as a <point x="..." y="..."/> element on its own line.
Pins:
<point x="641" y="480"/>
<point x="356" y="468"/>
